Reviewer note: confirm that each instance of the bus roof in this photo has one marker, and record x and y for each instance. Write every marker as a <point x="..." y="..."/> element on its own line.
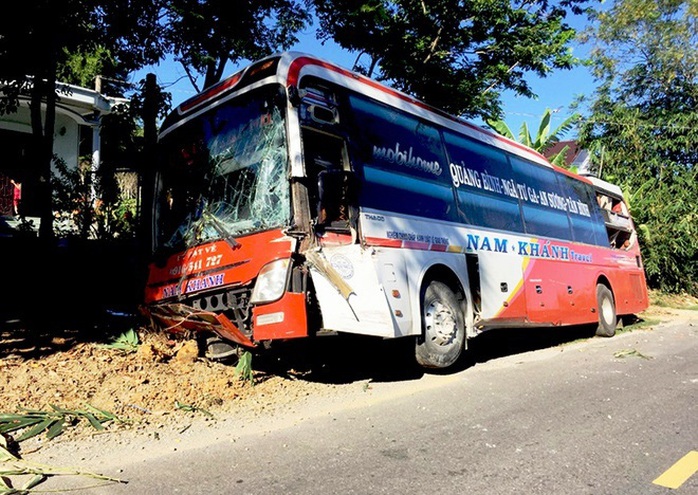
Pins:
<point x="604" y="186"/>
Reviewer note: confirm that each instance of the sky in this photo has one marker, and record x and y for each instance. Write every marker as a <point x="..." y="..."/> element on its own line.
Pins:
<point x="557" y="91"/>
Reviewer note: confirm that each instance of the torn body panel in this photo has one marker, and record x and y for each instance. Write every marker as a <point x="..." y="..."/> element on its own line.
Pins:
<point x="351" y="296"/>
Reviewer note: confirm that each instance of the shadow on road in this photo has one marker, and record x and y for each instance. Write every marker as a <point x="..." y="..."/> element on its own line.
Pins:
<point x="348" y="358"/>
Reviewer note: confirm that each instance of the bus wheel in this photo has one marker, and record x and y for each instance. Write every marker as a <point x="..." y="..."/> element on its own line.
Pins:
<point x="443" y="330"/>
<point x="607" y="312"/>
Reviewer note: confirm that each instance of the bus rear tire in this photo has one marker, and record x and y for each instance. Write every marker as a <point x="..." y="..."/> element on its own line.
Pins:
<point x="443" y="328"/>
<point x="606" y="308"/>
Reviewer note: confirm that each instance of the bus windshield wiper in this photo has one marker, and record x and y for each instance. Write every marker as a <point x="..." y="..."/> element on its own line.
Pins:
<point x="210" y="219"/>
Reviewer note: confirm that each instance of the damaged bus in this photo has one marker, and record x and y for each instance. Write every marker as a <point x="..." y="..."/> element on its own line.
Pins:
<point x="297" y="198"/>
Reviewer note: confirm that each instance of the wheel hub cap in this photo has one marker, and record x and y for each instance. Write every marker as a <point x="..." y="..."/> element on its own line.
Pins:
<point x="440" y="324"/>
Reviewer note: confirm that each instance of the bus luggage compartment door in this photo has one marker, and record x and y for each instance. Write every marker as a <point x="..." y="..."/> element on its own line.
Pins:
<point x="365" y="309"/>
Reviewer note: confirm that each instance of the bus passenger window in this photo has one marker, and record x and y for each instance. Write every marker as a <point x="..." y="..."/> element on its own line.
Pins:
<point x="604" y="201"/>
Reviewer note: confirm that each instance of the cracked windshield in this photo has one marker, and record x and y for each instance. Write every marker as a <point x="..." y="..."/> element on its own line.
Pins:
<point x="225" y="173"/>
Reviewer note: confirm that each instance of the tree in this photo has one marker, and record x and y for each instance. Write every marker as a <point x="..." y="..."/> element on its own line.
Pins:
<point x="205" y="35"/>
<point x="544" y="139"/>
<point x="40" y="39"/>
<point x="455" y="55"/>
<point x="643" y="122"/>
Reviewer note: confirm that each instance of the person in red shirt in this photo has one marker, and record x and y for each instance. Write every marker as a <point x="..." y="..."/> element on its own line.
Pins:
<point x="16" y="196"/>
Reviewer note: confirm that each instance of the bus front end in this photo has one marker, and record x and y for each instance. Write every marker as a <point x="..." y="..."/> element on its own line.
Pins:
<point x="224" y="261"/>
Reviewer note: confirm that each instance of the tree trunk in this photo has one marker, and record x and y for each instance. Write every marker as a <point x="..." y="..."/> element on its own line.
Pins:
<point x="43" y="90"/>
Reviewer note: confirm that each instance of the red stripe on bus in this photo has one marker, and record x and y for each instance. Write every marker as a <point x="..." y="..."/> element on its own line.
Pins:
<point x="395" y="243"/>
<point x="211" y="92"/>
<point x="381" y="241"/>
<point x="424" y="246"/>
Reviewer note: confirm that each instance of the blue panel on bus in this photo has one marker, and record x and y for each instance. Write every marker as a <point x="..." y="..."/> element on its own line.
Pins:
<point x="390" y="191"/>
<point x="402" y="160"/>
<point x="587" y="222"/>
<point x="491" y="211"/>
<point x="487" y="194"/>
<point x="543" y="205"/>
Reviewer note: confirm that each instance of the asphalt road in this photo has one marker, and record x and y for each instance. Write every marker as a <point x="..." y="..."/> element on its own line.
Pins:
<point x="598" y="416"/>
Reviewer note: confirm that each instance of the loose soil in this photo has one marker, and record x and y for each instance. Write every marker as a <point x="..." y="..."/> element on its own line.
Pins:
<point x="167" y="377"/>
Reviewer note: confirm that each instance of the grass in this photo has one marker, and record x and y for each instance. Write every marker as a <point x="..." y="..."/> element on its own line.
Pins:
<point x="675" y="301"/>
<point x="638" y="324"/>
<point x="126" y="342"/>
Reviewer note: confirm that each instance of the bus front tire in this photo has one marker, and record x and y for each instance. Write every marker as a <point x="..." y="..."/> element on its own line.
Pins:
<point x="443" y="328"/>
<point x="606" y="308"/>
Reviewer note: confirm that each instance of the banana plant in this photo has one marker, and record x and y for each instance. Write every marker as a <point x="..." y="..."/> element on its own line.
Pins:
<point x="544" y="138"/>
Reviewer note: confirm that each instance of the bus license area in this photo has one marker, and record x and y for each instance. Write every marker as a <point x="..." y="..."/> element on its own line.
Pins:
<point x="196" y="265"/>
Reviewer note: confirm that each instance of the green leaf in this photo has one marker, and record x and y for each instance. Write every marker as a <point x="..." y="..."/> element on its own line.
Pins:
<point x="94" y="421"/>
<point x="628" y="353"/>
<point x="543" y="130"/>
<point x="244" y="367"/>
<point x="19" y="423"/>
<point x="501" y="128"/>
<point x="101" y="412"/>
<point x="6" y="455"/>
<point x="127" y="341"/>
<point x="55" y="429"/>
<point x="32" y="432"/>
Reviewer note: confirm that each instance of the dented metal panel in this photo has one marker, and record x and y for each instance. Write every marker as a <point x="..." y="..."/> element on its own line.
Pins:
<point x="357" y="304"/>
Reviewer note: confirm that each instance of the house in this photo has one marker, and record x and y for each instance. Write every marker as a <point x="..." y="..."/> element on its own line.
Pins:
<point x="576" y="157"/>
<point x="76" y="134"/>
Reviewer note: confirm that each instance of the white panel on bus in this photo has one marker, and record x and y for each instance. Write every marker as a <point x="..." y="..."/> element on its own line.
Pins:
<point x="366" y="311"/>
<point x="497" y="269"/>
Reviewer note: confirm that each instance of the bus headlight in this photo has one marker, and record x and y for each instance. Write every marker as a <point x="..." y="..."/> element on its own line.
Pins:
<point x="271" y="282"/>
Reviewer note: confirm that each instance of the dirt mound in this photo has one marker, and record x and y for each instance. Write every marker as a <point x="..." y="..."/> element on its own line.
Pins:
<point x="160" y="378"/>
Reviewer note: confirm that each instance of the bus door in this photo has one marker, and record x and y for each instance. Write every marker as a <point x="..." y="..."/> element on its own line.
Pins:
<point x="345" y="277"/>
<point x="502" y="294"/>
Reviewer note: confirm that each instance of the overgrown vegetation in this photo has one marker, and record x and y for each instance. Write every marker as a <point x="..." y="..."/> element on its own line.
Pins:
<point x="672" y="300"/>
<point x="643" y="128"/>
<point x="92" y="205"/>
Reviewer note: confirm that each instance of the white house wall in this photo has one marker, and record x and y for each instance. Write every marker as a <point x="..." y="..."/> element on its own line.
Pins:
<point x="66" y="133"/>
<point x="66" y="139"/>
